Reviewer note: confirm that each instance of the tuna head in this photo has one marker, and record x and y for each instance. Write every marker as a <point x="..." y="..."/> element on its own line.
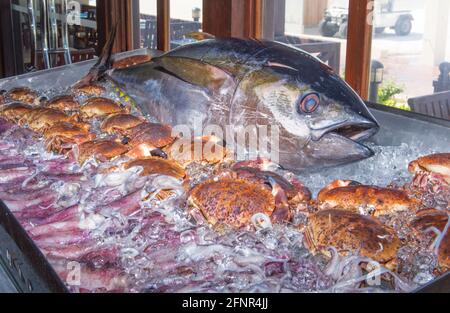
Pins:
<point x="322" y="121"/>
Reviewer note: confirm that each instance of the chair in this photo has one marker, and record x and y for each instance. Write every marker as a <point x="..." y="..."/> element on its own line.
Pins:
<point x="437" y="105"/>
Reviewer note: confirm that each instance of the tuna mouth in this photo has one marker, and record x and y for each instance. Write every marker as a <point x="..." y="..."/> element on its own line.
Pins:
<point x="357" y="132"/>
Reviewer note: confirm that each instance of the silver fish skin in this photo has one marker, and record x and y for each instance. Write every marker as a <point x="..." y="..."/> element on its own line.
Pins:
<point x="244" y="82"/>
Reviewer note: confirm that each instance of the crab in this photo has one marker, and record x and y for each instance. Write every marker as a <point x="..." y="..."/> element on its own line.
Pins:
<point x="89" y="89"/>
<point x="366" y="200"/>
<point x="130" y="61"/>
<point x="154" y="165"/>
<point x="14" y="112"/>
<point x="61" y="137"/>
<point x="120" y="123"/>
<point x="204" y="150"/>
<point x="236" y="195"/>
<point x="437" y="221"/>
<point x="435" y="166"/>
<point x="431" y="182"/>
<point x="64" y="103"/>
<point x="40" y="119"/>
<point x="232" y="202"/>
<point x="146" y="138"/>
<point x="350" y="232"/>
<point x="101" y="150"/>
<point x="100" y="108"/>
<point x="22" y="94"/>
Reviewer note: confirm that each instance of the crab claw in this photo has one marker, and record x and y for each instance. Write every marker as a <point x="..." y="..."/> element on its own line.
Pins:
<point x="145" y="150"/>
<point x="336" y="184"/>
<point x="281" y="212"/>
<point x="260" y="164"/>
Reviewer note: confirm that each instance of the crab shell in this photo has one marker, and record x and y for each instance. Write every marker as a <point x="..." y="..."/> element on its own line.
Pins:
<point x="152" y="166"/>
<point x="146" y="137"/>
<point x="130" y="61"/>
<point x="41" y="119"/>
<point x="365" y="199"/>
<point x="351" y="232"/>
<point x="119" y="123"/>
<point x="14" y="112"/>
<point x="89" y="90"/>
<point x="23" y="94"/>
<point x="63" y="103"/>
<point x="294" y="190"/>
<point x="199" y="150"/>
<point x="428" y="218"/>
<point x="102" y="150"/>
<point x="232" y="202"/>
<point x="100" y="108"/>
<point x="436" y="163"/>
<point x="61" y="136"/>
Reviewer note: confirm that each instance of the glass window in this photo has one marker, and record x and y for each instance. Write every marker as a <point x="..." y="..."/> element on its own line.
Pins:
<point x="185" y="18"/>
<point x="76" y="39"/>
<point x="316" y="26"/>
<point x="148" y="12"/>
<point x="410" y="45"/>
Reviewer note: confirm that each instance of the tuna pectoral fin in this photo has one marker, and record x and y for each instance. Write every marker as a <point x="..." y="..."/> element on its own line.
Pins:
<point x="104" y="62"/>
<point x="194" y="72"/>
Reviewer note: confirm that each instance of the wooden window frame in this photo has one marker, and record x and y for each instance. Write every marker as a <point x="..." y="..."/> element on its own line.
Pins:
<point x="243" y="18"/>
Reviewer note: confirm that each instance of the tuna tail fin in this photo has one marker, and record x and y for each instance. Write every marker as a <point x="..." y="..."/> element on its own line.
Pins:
<point x="104" y="62"/>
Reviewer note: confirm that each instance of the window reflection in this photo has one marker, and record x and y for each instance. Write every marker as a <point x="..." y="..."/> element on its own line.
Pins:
<point x="185" y="18"/>
<point x="148" y="12"/>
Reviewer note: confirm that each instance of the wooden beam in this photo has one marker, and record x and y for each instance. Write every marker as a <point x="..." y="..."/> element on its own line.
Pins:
<point x="7" y="39"/>
<point x="233" y="18"/>
<point x="359" y="46"/>
<point x="110" y="13"/>
<point x="217" y="17"/>
<point x="163" y="24"/>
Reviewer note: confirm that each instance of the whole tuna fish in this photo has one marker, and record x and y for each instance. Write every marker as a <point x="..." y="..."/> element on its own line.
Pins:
<point x="241" y="82"/>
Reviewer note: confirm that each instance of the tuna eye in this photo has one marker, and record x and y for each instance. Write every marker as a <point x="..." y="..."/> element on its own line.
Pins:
<point x="309" y="103"/>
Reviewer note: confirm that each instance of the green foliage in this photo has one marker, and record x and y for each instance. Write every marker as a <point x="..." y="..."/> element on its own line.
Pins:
<point x="387" y="96"/>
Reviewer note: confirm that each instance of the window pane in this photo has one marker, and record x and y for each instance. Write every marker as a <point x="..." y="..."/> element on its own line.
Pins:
<point x="147" y="10"/>
<point x="410" y="41"/>
<point x="316" y="26"/>
<point x="28" y="33"/>
<point x="185" y="18"/>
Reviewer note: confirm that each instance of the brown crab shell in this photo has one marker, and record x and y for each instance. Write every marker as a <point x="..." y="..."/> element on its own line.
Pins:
<point x="427" y="218"/>
<point x="158" y="166"/>
<point x="61" y="136"/>
<point x="68" y="130"/>
<point x="89" y="90"/>
<point x="435" y="163"/>
<point x="152" y="134"/>
<point x="119" y="123"/>
<point x="295" y="191"/>
<point x="102" y="150"/>
<point x="380" y="201"/>
<point x="351" y="232"/>
<point x="16" y="111"/>
<point x="100" y="108"/>
<point x="41" y="119"/>
<point x="23" y="94"/>
<point x="232" y="202"/>
<point x="63" y="103"/>
<point x="131" y="61"/>
<point x="199" y="150"/>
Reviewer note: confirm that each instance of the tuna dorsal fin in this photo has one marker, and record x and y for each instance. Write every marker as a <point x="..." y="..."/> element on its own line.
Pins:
<point x="104" y="62"/>
<point x="200" y="36"/>
<point x="194" y="72"/>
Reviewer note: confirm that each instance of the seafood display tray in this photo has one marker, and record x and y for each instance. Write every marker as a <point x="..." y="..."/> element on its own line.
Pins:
<point x="28" y="268"/>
